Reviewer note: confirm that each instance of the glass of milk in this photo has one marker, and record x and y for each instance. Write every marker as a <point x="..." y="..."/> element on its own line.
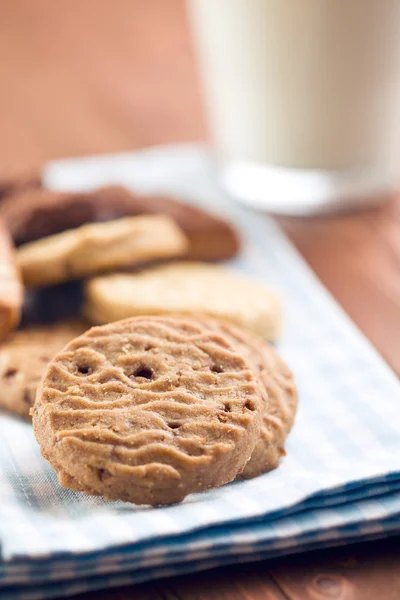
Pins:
<point x="303" y="99"/>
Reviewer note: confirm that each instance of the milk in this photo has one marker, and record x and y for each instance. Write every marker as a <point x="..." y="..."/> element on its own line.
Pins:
<point x="305" y="84"/>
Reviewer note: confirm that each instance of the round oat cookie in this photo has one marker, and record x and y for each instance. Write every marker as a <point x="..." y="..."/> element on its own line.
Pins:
<point x="279" y="392"/>
<point x="148" y="410"/>
<point x="100" y="247"/>
<point x="23" y="359"/>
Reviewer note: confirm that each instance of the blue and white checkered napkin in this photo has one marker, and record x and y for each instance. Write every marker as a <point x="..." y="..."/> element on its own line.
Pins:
<point x="339" y="482"/>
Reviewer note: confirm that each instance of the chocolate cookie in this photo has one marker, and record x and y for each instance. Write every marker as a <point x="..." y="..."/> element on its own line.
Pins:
<point x="148" y="410"/>
<point x="188" y="288"/>
<point x="38" y="213"/>
<point x="23" y="359"/>
<point x="99" y="247"/>
<point x="41" y="213"/>
<point x="279" y="391"/>
<point x="210" y="237"/>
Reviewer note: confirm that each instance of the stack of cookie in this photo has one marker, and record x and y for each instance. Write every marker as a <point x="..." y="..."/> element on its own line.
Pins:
<point x="150" y="409"/>
<point x="184" y="396"/>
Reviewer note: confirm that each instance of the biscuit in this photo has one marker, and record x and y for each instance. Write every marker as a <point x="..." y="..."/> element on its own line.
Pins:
<point x="23" y="359"/>
<point x="99" y="247"/>
<point x="279" y="417"/>
<point x="279" y="390"/>
<point x="187" y="288"/>
<point x="210" y="236"/>
<point x="40" y="213"/>
<point x="148" y="410"/>
<point x="15" y="178"/>
<point x="11" y="289"/>
<point x="37" y="213"/>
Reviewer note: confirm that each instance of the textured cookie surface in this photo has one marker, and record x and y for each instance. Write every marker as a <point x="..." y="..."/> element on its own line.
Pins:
<point x="99" y="247"/>
<point x="11" y="290"/>
<point x="148" y="410"/>
<point x="279" y="391"/>
<point x="40" y="213"/>
<point x="282" y="405"/>
<point x="188" y="288"/>
<point x="23" y="359"/>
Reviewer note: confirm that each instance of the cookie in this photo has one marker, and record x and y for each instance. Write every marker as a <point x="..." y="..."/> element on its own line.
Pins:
<point x="148" y="410"/>
<point x="279" y="390"/>
<point x="40" y="213"/>
<point x="11" y="290"/>
<point x="210" y="237"/>
<point x="23" y="359"/>
<point x="99" y="247"/>
<point x="279" y="417"/>
<point x="188" y="288"/>
<point x="15" y="178"/>
<point x="37" y="213"/>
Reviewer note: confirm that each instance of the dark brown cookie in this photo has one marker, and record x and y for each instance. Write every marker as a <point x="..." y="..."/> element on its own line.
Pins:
<point x="210" y="237"/>
<point x="148" y="410"/>
<point x="35" y="214"/>
<point x="41" y="213"/>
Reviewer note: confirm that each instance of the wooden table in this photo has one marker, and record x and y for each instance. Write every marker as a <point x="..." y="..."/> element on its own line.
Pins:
<point x="90" y="76"/>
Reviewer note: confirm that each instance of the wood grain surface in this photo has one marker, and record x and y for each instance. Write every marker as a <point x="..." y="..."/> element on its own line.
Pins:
<point x="92" y="76"/>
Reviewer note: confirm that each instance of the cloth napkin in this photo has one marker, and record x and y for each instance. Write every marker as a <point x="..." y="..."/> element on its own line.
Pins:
<point x="340" y="480"/>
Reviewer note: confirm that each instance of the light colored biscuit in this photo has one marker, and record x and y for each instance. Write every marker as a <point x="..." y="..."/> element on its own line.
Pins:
<point x="187" y="288"/>
<point x="100" y="247"/>
<point x="148" y="410"/>
<point x="23" y="359"/>
<point x="279" y="392"/>
<point x="11" y="289"/>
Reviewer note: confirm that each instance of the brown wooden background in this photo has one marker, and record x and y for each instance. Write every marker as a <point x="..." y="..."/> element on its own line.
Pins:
<point x="89" y="76"/>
